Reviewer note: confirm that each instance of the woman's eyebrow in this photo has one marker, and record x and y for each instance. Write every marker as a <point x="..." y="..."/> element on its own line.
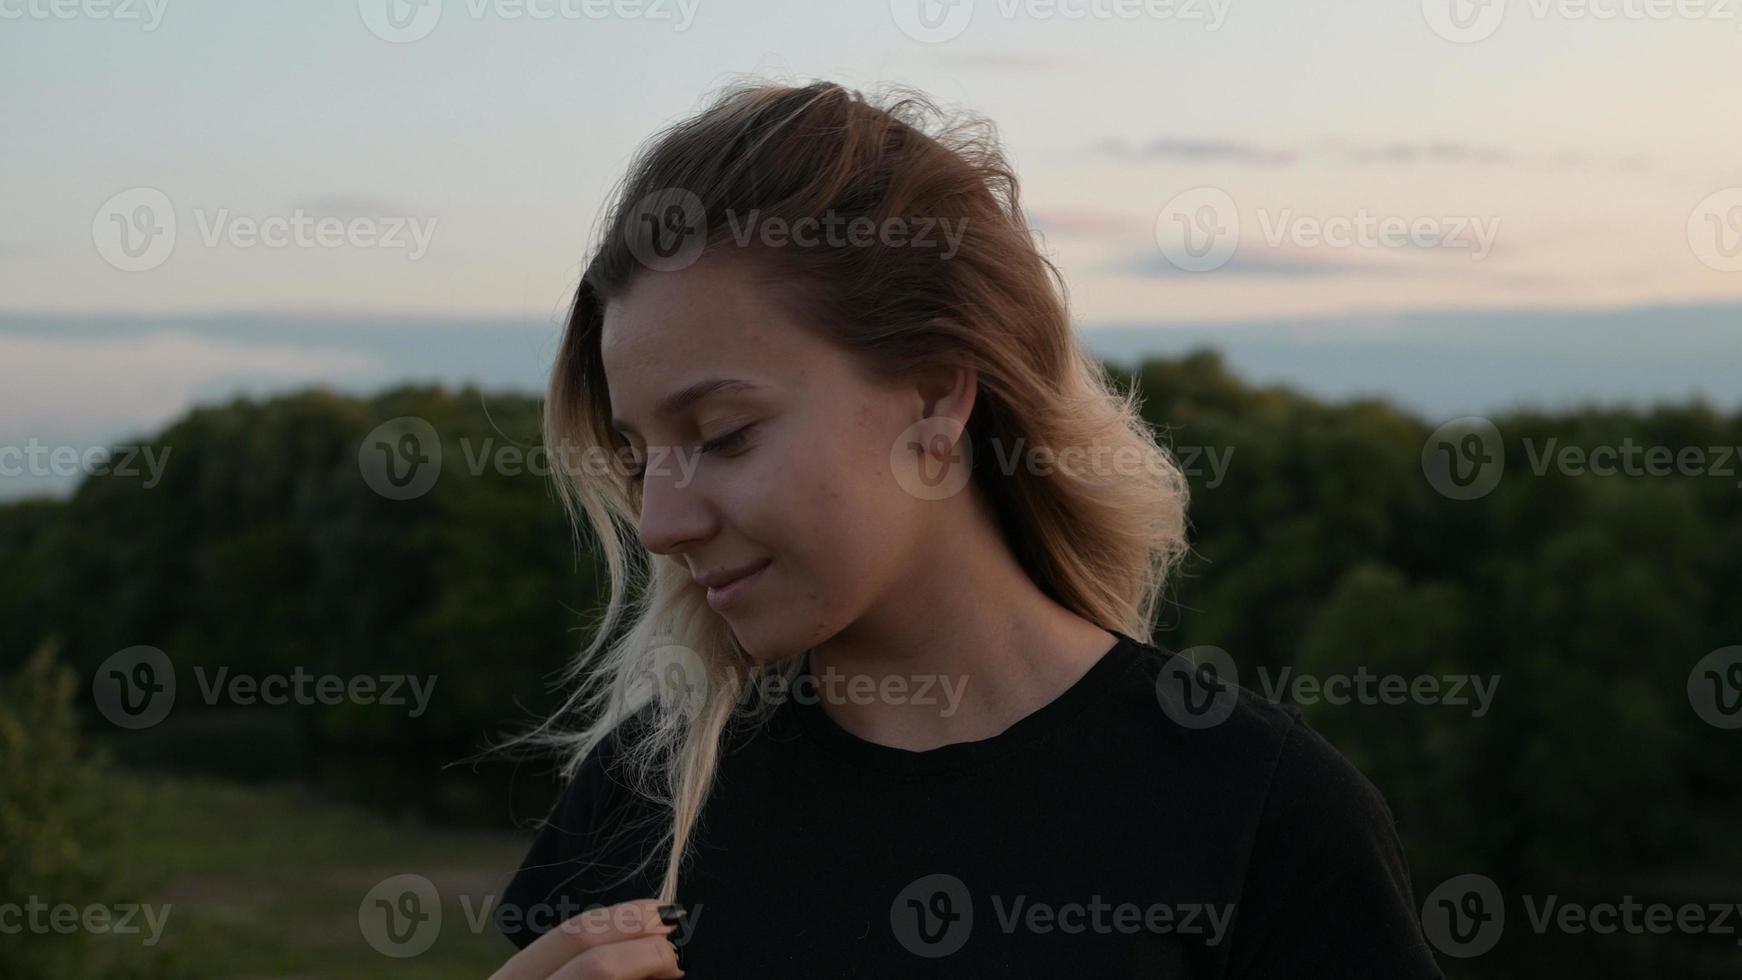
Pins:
<point x="689" y="394"/>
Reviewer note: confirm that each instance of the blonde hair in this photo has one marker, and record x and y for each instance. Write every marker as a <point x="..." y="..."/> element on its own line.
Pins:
<point x="1101" y="548"/>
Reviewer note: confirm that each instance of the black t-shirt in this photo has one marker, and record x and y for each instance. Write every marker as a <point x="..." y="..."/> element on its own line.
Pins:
<point x="1131" y="827"/>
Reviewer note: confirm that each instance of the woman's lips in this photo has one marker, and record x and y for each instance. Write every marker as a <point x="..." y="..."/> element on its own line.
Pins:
<point x="720" y="597"/>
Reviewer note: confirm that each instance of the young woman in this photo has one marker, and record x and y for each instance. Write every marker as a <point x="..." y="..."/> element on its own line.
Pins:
<point x="874" y="694"/>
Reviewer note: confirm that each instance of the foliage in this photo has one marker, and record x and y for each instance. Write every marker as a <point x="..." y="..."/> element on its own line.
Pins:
<point x="63" y="828"/>
<point x="1321" y="550"/>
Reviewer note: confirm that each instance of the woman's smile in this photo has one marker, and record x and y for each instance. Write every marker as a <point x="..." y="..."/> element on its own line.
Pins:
<point x="722" y="595"/>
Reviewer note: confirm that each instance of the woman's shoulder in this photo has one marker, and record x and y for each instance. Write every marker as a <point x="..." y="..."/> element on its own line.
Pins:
<point x="1254" y="765"/>
<point x="1192" y="699"/>
<point x="1189" y="702"/>
<point x="1321" y="871"/>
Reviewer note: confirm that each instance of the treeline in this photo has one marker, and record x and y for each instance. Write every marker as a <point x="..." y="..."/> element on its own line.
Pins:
<point x="1580" y="602"/>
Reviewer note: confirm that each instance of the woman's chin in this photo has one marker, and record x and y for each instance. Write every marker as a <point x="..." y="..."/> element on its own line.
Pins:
<point x="768" y="648"/>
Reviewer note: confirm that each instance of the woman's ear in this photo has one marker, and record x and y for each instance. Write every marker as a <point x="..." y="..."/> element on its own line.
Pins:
<point x="948" y="389"/>
<point x="932" y="459"/>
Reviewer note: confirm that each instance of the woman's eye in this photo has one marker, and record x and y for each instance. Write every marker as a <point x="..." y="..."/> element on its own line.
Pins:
<point x="729" y="441"/>
<point x="726" y="443"/>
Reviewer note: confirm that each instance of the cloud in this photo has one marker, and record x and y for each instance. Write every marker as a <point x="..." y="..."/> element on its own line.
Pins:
<point x="1433" y="152"/>
<point x="1259" y="262"/>
<point x="1170" y="148"/>
<point x="1006" y="61"/>
<point x="1398" y="154"/>
<point x="1246" y="262"/>
<point x="1086" y="223"/>
<point x="350" y="206"/>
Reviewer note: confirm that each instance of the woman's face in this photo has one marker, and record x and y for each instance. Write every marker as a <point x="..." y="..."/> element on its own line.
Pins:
<point x="794" y="479"/>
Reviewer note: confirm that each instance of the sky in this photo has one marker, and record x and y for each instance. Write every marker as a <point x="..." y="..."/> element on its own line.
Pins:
<point x="1345" y="194"/>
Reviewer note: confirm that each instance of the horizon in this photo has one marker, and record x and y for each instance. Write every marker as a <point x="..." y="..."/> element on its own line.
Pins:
<point x="1430" y="367"/>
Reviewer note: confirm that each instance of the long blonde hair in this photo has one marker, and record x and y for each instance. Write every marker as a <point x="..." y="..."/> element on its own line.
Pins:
<point x="1102" y="548"/>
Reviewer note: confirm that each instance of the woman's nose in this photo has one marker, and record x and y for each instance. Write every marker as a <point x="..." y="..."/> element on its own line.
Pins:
<point x="673" y="508"/>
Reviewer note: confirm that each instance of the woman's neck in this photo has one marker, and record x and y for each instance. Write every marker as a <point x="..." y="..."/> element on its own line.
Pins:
<point x="968" y="627"/>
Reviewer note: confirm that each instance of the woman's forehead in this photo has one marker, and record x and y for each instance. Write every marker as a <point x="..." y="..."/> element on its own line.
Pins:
<point x="667" y="324"/>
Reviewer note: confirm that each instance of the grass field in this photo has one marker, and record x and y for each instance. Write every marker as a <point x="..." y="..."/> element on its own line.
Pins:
<point x="267" y="882"/>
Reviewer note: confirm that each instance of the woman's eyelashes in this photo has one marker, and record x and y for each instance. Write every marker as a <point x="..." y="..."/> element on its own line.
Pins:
<point x="729" y="444"/>
<point x="730" y="441"/>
